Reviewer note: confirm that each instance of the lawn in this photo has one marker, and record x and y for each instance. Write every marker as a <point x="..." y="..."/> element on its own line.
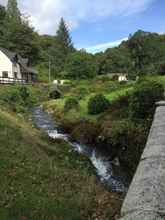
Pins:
<point x="111" y="90"/>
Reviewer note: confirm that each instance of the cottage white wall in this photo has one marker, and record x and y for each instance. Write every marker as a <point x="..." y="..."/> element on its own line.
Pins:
<point x="122" y="78"/>
<point x="5" y="65"/>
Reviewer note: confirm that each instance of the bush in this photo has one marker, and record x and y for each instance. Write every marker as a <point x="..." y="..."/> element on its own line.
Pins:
<point x="125" y="140"/>
<point x="128" y="140"/>
<point x="71" y="103"/>
<point x="98" y="104"/>
<point x="142" y="101"/>
<point x="18" y="98"/>
<point x="81" y="92"/>
<point x="85" y="132"/>
<point x="55" y="94"/>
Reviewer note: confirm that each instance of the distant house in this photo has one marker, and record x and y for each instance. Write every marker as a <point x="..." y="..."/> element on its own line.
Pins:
<point x="121" y="77"/>
<point x="15" y="69"/>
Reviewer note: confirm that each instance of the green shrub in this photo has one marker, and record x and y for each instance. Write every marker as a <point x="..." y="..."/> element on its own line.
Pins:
<point x="129" y="141"/>
<point x="55" y="94"/>
<point x="125" y="140"/>
<point x="98" y="104"/>
<point x="143" y="98"/>
<point x="18" y="98"/>
<point x="71" y="103"/>
<point x="81" y="92"/>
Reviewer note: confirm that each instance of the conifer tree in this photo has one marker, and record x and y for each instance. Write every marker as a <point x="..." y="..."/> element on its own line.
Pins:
<point x="63" y="38"/>
<point x="13" y="10"/>
<point x="62" y="46"/>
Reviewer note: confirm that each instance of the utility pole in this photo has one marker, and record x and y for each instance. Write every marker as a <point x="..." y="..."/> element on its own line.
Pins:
<point x="49" y="70"/>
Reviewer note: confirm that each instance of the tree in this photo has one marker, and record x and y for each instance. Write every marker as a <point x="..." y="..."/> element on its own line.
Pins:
<point x="114" y="60"/>
<point x="20" y="38"/>
<point x="17" y="35"/>
<point x="2" y="19"/>
<point x="63" y="38"/>
<point x="147" y="52"/>
<point x="80" y="65"/>
<point x="60" y="48"/>
<point x="13" y="10"/>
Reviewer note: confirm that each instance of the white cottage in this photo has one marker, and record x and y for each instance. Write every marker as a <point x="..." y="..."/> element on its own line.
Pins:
<point x="14" y="68"/>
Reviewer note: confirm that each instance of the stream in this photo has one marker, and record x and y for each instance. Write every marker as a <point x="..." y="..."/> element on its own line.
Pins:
<point x="109" y="172"/>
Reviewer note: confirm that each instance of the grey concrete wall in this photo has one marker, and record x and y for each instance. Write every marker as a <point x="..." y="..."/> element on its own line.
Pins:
<point x="145" y="199"/>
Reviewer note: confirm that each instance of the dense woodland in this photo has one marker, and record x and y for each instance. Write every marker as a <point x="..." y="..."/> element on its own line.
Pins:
<point x="142" y="54"/>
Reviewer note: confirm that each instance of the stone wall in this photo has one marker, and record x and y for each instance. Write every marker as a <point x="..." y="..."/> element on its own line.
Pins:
<point x="145" y="199"/>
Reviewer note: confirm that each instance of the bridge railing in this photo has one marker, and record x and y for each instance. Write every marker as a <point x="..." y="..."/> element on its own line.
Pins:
<point x="145" y="199"/>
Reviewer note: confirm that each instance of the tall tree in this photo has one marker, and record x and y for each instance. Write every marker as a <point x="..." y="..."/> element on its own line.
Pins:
<point x="13" y="10"/>
<point x="16" y="34"/>
<point x="61" y="47"/>
<point x="2" y="19"/>
<point x="63" y="38"/>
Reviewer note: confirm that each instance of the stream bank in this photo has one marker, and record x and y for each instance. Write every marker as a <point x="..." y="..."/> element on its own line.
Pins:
<point x="109" y="172"/>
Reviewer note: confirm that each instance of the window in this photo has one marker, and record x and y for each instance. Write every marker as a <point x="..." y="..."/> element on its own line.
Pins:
<point x="5" y="74"/>
<point x="15" y="75"/>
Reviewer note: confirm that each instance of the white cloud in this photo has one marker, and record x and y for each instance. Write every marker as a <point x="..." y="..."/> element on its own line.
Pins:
<point x="45" y="14"/>
<point x="104" y="46"/>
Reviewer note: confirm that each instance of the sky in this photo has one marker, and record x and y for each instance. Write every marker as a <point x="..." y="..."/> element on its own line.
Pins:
<point x="95" y="24"/>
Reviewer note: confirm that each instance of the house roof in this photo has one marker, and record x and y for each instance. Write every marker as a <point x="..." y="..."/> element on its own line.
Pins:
<point x="14" y="57"/>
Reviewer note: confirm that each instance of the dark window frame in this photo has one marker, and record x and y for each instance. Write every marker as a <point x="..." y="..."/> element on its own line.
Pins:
<point x="5" y="74"/>
<point x="15" y="75"/>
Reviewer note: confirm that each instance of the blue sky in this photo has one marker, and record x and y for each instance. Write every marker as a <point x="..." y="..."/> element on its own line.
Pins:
<point x="111" y="30"/>
<point x="96" y="24"/>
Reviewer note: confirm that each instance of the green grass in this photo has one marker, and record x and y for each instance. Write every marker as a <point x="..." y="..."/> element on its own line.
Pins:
<point x="112" y="91"/>
<point x="45" y="180"/>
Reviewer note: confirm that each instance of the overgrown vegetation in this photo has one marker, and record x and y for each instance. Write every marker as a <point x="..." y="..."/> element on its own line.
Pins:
<point x="71" y="103"/>
<point x="123" y="128"/>
<point x="98" y="104"/>
<point x="20" y="99"/>
<point x="143" y="99"/>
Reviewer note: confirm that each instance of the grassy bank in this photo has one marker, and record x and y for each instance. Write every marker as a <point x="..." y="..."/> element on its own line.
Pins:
<point x="43" y="179"/>
<point x="83" y="90"/>
<point x="113" y="129"/>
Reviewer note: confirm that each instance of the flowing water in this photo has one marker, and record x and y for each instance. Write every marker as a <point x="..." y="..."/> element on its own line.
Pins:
<point x="104" y="167"/>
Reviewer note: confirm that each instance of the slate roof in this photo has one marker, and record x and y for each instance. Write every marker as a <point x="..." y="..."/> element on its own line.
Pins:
<point x="14" y="57"/>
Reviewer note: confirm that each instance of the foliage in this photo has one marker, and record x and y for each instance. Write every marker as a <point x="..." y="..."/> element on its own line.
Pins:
<point x="61" y="47"/>
<point x="17" y="35"/>
<point x="114" y="60"/>
<point x="55" y="94"/>
<point x="143" y="99"/>
<point x="25" y="97"/>
<point x="63" y="38"/>
<point x="80" y="65"/>
<point x="127" y="141"/>
<point x="17" y="98"/>
<point x="85" y="132"/>
<point x="13" y="11"/>
<point x="2" y="19"/>
<point x="98" y="104"/>
<point x="81" y="92"/>
<point x="71" y="103"/>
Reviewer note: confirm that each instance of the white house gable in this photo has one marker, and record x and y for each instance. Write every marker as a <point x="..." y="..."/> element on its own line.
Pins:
<point x="14" y="68"/>
<point x="5" y="66"/>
